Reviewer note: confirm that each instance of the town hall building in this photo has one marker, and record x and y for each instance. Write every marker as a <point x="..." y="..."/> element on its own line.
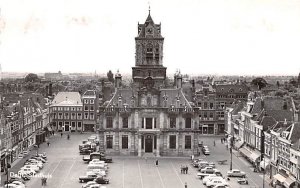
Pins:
<point x="149" y="117"/>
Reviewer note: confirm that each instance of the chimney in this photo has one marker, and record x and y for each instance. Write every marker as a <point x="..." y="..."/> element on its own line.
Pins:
<point x="50" y="90"/>
<point x="46" y="91"/>
<point x="285" y="122"/>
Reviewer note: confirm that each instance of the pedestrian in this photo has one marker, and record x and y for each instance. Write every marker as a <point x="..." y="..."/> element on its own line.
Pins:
<point x="185" y="185"/>
<point x="156" y="162"/>
<point x="221" y="140"/>
<point x="214" y="143"/>
<point x="181" y="169"/>
<point x="146" y="159"/>
<point x="48" y="143"/>
<point x="187" y="169"/>
<point x="61" y="134"/>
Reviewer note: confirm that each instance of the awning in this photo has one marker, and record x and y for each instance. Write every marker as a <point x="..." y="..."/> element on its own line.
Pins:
<point x="264" y="163"/>
<point x="279" y="178"/>
<point x="289" y="181"/>
<point x="255" y="155"/>
<point x="239" y="144"/>
<point x="245" y="152"/>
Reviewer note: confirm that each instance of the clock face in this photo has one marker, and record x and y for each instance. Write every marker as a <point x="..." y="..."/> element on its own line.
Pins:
<point x="149" y="30"/>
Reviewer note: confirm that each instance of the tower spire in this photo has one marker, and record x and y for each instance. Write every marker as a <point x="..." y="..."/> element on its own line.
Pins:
<point x="149" y="7"/>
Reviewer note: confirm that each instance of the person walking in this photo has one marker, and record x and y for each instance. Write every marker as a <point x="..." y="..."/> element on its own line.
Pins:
<point x="187" y="169"/>
<point x="214" y="143"/>
<point x="185" y="185"/>
<point x="61" y="134"/>
<point x="156" y="162"/>
<point x="181" y="169"/>
<point x="48" y="143"/>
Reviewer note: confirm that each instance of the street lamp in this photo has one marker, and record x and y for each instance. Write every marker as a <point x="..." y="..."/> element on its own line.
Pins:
<point x="7" y="153"/>
<point x="231" y="146"/>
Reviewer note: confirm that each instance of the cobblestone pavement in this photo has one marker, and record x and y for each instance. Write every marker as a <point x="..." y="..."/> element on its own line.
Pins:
<point x="65" y="165"/>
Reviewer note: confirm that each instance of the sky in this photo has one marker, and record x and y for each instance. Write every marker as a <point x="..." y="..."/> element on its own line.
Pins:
<point x="223" y="37"/>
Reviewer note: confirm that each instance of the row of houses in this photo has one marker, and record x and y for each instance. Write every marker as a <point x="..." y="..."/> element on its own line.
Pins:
<point x="266" y="130"/>
<point x="23" y="124"/>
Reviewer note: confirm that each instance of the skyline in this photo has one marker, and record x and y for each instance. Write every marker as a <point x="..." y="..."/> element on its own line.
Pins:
<point x="201" y="37"/>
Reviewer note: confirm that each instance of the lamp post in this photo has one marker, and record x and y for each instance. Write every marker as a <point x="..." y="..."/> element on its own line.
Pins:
<point x="231" y="146"/>
<point x="7" y="153"/>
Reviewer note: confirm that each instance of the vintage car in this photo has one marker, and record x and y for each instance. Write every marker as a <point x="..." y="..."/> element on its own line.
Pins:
<point x="90" y="176"/>
<point x="236" y="173"/>
<point x="101" y="180"/>
<point x="242" y="181"/>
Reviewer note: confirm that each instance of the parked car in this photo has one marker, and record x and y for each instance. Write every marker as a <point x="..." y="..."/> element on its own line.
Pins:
<point x="37" y="163"/>
<point x="236" y="173"/>
<point x="204" y="180"/>
<point x="207" y="169"/>
<point x="14" y="178"/>
<point x="11" y="185"/>
<point x="102" y="180"/>
<point x="89" y="184"/>
<point x="210" y="178"/>
<point x="19" y="184"/>
<point x="90" y="176"/>
<point x="242" y="181"/>
<point x="215" y="182"/>
<point x="206" y="152"/>
<point x="32" y="166"/>
<point x="26" y="171"/>
<point x="43" y="155"/>
<point x="39" y="159"/>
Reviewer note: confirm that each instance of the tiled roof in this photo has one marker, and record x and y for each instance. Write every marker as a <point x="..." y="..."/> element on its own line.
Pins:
<point x="231" y="88"/>
<point x="172" y="95"/>
<point x="67" y="99"/>
<point x="267" y="121"/>
<point x="281" y="126"/>
<point x="295" y="134"/>
<point x="89" y="93"/>
<point x="281" y="115"/>
<point x="237" y="107"/>
<point x="273" y="106"/>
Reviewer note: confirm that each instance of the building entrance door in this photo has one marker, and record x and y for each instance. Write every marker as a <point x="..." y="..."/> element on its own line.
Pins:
<point x="148" y="144"/>
<point x="67" y="128"/>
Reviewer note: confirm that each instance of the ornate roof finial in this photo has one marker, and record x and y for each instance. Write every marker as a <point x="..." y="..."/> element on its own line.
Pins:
<point x="149" y="7"/>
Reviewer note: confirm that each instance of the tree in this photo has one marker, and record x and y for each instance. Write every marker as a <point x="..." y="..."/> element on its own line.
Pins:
<point x="110" y="76"/>
<point x="31" y="78"/>
<point x="259" y="82"/>
<point x="293" y="82"/>
<point x="299" y="80"/>
<point x="278" y="84"/>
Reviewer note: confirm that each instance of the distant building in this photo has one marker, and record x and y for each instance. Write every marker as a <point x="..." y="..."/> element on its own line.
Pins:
<point x="53" y="76"/>
<point x="90" y="106"/>
<point x="66" y="112"/>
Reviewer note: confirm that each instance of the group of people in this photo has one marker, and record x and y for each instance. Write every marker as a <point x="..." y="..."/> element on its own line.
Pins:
<point x="68" y="136"/>
<point x="44" y="181"/>
<point x="184" y="169"/>
<point x="223" y="140"/>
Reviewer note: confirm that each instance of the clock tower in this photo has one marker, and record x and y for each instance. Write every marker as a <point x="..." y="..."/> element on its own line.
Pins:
<point x="149" y="54"/>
